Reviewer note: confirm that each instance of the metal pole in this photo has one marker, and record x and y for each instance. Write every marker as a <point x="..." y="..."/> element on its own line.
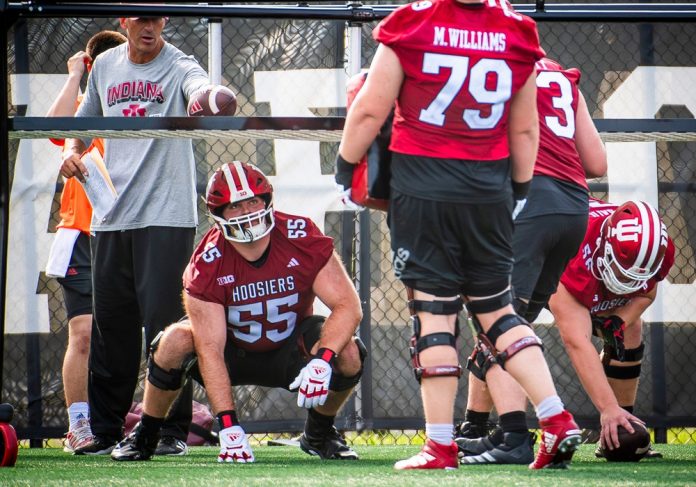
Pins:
<point x="354" y="48"/>
<point x="4" y="187"/>
<point x="215" y="51"/>
<point x="364" y="405"/>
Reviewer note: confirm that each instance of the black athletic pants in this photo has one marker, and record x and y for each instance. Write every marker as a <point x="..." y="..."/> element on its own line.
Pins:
<point x="137" y="283"/>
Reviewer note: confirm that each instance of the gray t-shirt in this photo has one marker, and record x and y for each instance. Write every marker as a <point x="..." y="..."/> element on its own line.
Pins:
<point x="155" y="178"/>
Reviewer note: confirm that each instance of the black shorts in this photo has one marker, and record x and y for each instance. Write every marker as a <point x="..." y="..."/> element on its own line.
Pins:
<point x="277" y="368"/>
<point x="77" y="283"/>
<point x="448" y="248"/>
<point x="543" y="246"/>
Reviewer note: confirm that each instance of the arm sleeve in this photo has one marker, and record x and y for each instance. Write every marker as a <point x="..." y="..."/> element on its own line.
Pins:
<point x="195" y="77"/>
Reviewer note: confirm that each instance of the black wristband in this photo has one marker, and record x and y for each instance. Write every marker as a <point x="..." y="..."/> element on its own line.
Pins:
<point x="326" y="354"/>
<point x="227" y="419"/>
<point x="344" y="172"/>
<point x="520" y="190"/>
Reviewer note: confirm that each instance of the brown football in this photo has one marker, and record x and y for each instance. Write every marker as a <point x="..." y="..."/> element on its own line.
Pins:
<point x="211" y="101"/>
<point x="632" y="446"/>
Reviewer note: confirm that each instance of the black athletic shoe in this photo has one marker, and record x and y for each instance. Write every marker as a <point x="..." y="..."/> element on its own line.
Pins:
<point x="516" y="449"/>
<point x="136" y="446"/>
<point x="476" y="446"/>
<point x="98" y="446"/>
<point x="466" y="429"/>
<point x="330" y="446"/>
<point x="589" y="436"/>
<point x="171" y="446"/>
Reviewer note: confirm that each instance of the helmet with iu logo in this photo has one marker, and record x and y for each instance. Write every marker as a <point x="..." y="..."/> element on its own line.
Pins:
<point x="234" y="182"/>
<point x="633" y="242"/>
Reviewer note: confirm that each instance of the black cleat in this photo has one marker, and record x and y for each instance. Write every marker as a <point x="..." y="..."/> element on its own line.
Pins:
<point x="652" y="454"/>
<point x="475" y="446"/>
<point x="516" y="449"/>
<point x="589" y="436"/>
<point x="136" y="446"/>
<point x="98" y="446"/>
<point x="467" y="429"/>
<point x="171" y="446"/>
<point x="330" y="446"/>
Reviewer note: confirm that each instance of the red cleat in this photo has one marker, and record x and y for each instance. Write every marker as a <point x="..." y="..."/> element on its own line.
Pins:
<point x="432" y="456"/>
<point x="560" y="437"/>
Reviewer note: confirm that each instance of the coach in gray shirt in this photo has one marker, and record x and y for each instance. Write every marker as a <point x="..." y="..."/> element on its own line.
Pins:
<point x="141" y="246"/>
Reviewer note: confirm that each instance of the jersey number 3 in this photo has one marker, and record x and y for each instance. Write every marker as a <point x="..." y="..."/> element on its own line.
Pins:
<point x="563" y="102"/>
<point x="478" y="74"/>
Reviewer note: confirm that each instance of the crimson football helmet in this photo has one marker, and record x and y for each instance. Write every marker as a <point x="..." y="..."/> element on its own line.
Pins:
<point x="234" y="182"/>
<point x="633" y="242"/>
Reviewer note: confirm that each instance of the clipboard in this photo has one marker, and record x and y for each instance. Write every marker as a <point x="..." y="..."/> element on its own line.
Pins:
<point x="98" y="186"/>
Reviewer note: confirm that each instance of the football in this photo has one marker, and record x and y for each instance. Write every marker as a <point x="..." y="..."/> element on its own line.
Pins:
<point x="213" y="100"/>
<point x="633" y="446"/>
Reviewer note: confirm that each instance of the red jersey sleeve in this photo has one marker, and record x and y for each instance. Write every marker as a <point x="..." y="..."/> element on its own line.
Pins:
<point x="201" y="273"/>
<point x="306" y="237"/>
<point x="396" y="25"/>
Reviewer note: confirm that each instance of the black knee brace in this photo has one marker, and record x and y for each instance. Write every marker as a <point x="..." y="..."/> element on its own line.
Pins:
<point x="341" y="382"/>
<point x="630" y="354"/>
<point x="480" y="360"/>
<point x="501" y="326"/>
<point x="630" y="371"/>
<point x="167" y="380"/>
<point x="420" y="343"/>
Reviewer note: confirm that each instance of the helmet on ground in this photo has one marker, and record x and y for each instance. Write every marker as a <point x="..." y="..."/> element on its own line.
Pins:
<point x="633" y="242"/>
<point x="234" y="182"/>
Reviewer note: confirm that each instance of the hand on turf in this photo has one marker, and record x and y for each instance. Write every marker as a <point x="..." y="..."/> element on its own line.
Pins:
<point x="611" y="418"/>
<point x="313" y="382"/>
<point x="234" y="446"/>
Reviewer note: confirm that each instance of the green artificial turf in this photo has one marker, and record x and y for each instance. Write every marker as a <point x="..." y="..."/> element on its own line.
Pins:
<point x="287" y="466"/>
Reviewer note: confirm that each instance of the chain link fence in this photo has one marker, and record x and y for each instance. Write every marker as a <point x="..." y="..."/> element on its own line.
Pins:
<point x="387" y="402"/>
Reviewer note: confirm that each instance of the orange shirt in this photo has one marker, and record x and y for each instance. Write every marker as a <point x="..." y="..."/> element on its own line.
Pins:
<point x="75" y="208"/>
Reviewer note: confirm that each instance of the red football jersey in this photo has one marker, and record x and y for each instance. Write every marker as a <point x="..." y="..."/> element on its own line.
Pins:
<point x="579" y="279"/>
<point x="263" y="305"/>
<point x="462" y="65"/>
<point x="557" y="103"/>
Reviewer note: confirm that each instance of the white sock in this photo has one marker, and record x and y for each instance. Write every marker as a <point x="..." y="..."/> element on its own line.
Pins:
<point x="76" y="412"/>
<point x="440" y="433"/>
<point x="550" y="406"/>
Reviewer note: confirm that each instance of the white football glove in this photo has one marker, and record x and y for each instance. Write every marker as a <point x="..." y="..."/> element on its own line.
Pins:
<point x="313" y="382"/>
<point x="344" y="196"/>
<point x="234" y="446"/>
